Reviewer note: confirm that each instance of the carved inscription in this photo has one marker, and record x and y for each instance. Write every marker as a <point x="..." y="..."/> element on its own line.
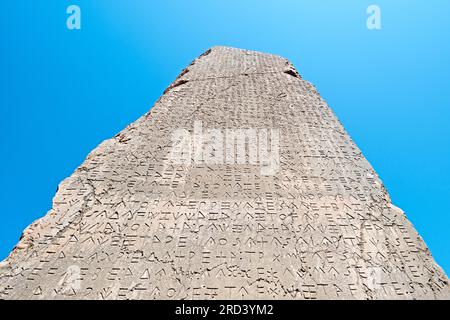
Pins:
<point x="131" y="224"/>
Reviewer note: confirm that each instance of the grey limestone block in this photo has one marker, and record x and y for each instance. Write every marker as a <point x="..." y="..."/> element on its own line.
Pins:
<point x="132" y="222"/>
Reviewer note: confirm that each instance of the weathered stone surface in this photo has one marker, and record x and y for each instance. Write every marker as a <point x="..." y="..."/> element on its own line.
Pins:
<point x="131" y="224"/>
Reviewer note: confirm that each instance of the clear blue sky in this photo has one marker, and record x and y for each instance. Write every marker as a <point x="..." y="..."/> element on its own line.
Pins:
<point x="62" y="92"/>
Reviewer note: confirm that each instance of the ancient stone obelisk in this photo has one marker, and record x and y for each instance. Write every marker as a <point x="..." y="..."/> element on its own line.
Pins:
<point x="314" y="222"/>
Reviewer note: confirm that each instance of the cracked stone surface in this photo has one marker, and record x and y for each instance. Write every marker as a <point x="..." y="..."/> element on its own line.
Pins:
<point x="131" y="224"/>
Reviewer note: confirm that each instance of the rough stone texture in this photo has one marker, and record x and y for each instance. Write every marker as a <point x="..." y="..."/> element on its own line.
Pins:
<point x="128" y="224"/>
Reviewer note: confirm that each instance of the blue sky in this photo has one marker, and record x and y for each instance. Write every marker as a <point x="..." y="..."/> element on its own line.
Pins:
<point x="62" y="92"/>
